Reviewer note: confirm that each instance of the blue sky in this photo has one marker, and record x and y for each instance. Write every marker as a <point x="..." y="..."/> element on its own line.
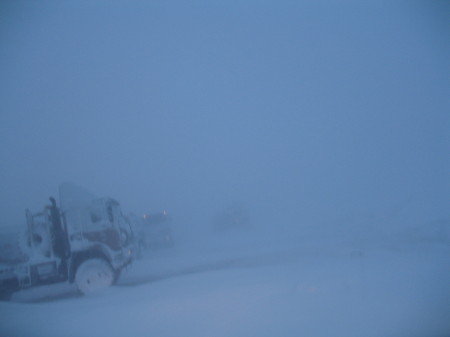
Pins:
<point x="313" y="110"/>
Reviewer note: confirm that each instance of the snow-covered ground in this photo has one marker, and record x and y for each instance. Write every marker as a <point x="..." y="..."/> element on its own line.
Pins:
<point x="235" y="288"/>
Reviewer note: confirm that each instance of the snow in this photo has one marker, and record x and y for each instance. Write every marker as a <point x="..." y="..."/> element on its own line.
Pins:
<point x="234" y="288"/>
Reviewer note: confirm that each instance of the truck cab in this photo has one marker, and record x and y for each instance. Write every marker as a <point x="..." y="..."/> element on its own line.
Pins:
<point x="88" y="244"/>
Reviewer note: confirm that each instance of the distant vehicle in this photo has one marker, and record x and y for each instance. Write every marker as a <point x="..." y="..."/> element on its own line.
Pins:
<point x="88" y="245"/>
<point x="233" y="217"/>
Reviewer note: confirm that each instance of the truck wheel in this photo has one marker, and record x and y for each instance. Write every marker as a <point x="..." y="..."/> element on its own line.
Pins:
<point x="93" y="275"/>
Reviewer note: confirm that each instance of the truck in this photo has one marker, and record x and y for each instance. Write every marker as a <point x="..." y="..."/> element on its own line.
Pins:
<point x="152" y="231"/>
<point x="88" y="244"/>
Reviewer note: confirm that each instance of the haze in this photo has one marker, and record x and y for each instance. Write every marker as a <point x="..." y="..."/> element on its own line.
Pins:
<point x="323" y="126"/>
<point x="303" y="113"/>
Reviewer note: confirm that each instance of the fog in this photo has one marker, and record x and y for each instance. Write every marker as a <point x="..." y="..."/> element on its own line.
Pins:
<point x="317" y="117"/>
<point x="302" y="112"/>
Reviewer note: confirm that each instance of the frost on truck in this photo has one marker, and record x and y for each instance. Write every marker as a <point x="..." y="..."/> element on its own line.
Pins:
<point x="85" y="241"/>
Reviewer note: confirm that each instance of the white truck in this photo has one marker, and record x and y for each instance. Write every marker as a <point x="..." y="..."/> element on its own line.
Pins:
<point x="151" y="231"/>
<point x="88" y="243"/>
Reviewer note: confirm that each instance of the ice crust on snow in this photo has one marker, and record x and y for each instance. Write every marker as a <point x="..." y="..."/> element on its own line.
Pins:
<point x="250" y="290"/>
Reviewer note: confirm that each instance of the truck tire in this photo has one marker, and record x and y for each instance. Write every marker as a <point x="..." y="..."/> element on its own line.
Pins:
<point x="93" y="275"/>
